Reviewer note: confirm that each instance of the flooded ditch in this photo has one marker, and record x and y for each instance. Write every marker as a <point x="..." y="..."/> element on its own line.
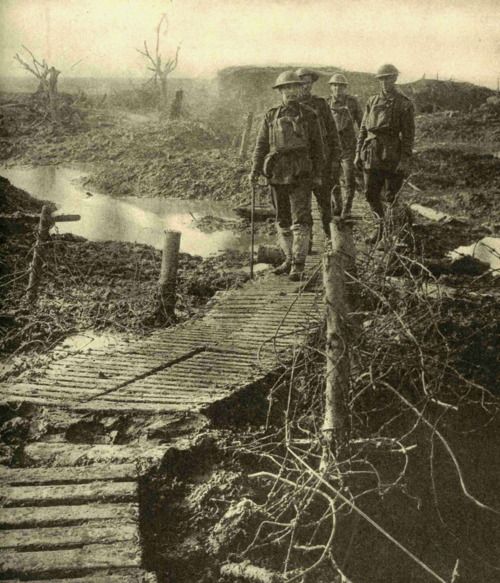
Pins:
<point x="132" y="219"/>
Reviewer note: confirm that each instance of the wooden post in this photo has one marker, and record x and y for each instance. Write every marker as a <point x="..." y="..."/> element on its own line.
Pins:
<point x="38" y="252"/>
<point x="246" y="136"/>
<point x="342" y="238"/>
<point x="168" y="275"/>
<point x="336" y="419"/>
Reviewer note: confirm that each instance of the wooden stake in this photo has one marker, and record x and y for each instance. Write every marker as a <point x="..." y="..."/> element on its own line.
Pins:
<point x="246" y="136"/>
<point x="168" y="275"/>
<point x="38" y="253"/>
<point x="336" y="419"/>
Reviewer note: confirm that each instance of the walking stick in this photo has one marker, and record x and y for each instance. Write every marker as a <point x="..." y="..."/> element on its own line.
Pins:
<point x="252" y="244"/>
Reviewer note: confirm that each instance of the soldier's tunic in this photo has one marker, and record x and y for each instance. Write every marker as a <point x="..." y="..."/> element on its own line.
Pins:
<point x="346" y="113"/>
<point x="289" y="152"/>
<point x="333" y="153"/>
<point x="386" y="137"/>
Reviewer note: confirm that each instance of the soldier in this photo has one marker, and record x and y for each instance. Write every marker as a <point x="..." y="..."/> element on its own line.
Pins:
<point x="347" y="114"/>
<point x="289" y="153"/>
<point x="332" y="150"/>
<point x="385" y="142"/>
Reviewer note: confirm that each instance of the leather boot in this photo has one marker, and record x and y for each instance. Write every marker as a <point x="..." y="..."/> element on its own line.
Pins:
<point x="285" y="240"/>
<point x="299" y="251"/>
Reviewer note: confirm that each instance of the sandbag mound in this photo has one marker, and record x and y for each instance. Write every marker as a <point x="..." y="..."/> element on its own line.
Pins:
<point x="253" y="85"/>
<point x="431" y="95"/>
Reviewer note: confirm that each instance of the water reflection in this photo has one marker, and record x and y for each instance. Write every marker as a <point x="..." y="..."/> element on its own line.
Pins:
<point x="140" y="220"/>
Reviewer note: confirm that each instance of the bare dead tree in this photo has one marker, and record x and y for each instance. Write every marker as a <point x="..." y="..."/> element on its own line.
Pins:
<point x="47" y="80"/>
<point x="161" y="69"/>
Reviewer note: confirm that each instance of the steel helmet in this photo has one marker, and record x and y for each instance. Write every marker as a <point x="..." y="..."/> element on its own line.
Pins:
<point x="302" y="72"/>
<point x="338" y="79"/>
<point x="386" y="70"/>
<point x="287" y="78"/>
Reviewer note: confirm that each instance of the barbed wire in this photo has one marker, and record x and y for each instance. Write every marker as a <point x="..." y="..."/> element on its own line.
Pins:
<point x="400" y="362"/>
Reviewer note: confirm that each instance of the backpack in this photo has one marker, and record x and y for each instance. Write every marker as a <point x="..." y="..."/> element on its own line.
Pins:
<point x="288" y="133"/>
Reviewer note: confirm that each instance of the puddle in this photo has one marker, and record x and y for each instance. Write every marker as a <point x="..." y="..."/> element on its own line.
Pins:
<point x="90" y="341"/>
<point x="132" y="219"/>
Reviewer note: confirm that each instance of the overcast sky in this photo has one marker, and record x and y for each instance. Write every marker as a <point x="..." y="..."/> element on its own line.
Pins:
<point x="458" y="39"/>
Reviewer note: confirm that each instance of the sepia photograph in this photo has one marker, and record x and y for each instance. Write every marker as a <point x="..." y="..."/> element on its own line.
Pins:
<point x="250" y="291"/>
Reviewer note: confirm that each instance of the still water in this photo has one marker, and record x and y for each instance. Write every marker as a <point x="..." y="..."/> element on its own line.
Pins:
<point x="140" y="220"/>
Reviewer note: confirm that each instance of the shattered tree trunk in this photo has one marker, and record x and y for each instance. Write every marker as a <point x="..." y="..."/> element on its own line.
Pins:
<point x="38" y="253"/>
<point x="168" y="276"/>
<point x="163" y="94"/>
<point x="53" y="96"/>
<point x="335" y="264"/>
<point x="246" y="136"/>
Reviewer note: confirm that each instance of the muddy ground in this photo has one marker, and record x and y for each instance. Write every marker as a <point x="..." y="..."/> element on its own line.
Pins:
<point x="203" y="510"/>
<point x="93" y="285"/>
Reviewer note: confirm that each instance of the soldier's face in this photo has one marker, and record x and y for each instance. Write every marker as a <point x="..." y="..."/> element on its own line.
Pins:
<point x="290" y="93"/>
<point x="338" y="90"/>
<point x="387" y="83"/>
<point x="307" y="84"/>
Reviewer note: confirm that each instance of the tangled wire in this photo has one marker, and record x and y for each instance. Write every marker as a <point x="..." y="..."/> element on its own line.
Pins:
<point x="410" y="411"/>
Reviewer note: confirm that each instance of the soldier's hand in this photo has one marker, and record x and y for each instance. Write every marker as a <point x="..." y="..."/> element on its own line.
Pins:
<point x="358" y="163"/>
<point x="317" y="181"/>
<point x="253" y="178"/>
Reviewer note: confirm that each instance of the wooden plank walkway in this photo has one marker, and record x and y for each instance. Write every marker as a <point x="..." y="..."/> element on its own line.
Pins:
<point x="242" y="336"/>
<point x="78" y="524"/>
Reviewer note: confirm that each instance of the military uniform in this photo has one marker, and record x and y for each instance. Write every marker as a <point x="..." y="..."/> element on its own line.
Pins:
<point x="385" y="139"/>
<point x="333" y="154"/>
<point x="346" y="113"/>
<point x="289" y="152"/>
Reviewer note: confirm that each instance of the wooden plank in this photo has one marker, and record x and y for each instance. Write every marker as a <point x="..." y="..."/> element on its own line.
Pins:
<point x="66" y="537"/>
<point x="49" y="495"/>
<point x="198" y="374"/>
<point x="144" y="399"/>
<point x="132" y="407"/>
<point x="153" y="385"/>
<point x="66" y="515"/>
<point x="69" y="562"/>
<point x="48" y="390"/>
<point x="118" y="576"/>
<point x="71" y="474"/>
<point x="127" y="360"/>
<point x="172" y="396"/>
<point x="36" y="400"/>
<point x="87" y="378"/>
<point x="64" y="454"/>
<point x="90" y="365"/>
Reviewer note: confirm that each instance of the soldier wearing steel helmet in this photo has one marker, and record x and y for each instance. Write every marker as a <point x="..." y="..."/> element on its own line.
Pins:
<point x="289" y="153"/>
<point x="332" y="148"/>
<point x="385" y="142"/>
<point x="347" y="115"/>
